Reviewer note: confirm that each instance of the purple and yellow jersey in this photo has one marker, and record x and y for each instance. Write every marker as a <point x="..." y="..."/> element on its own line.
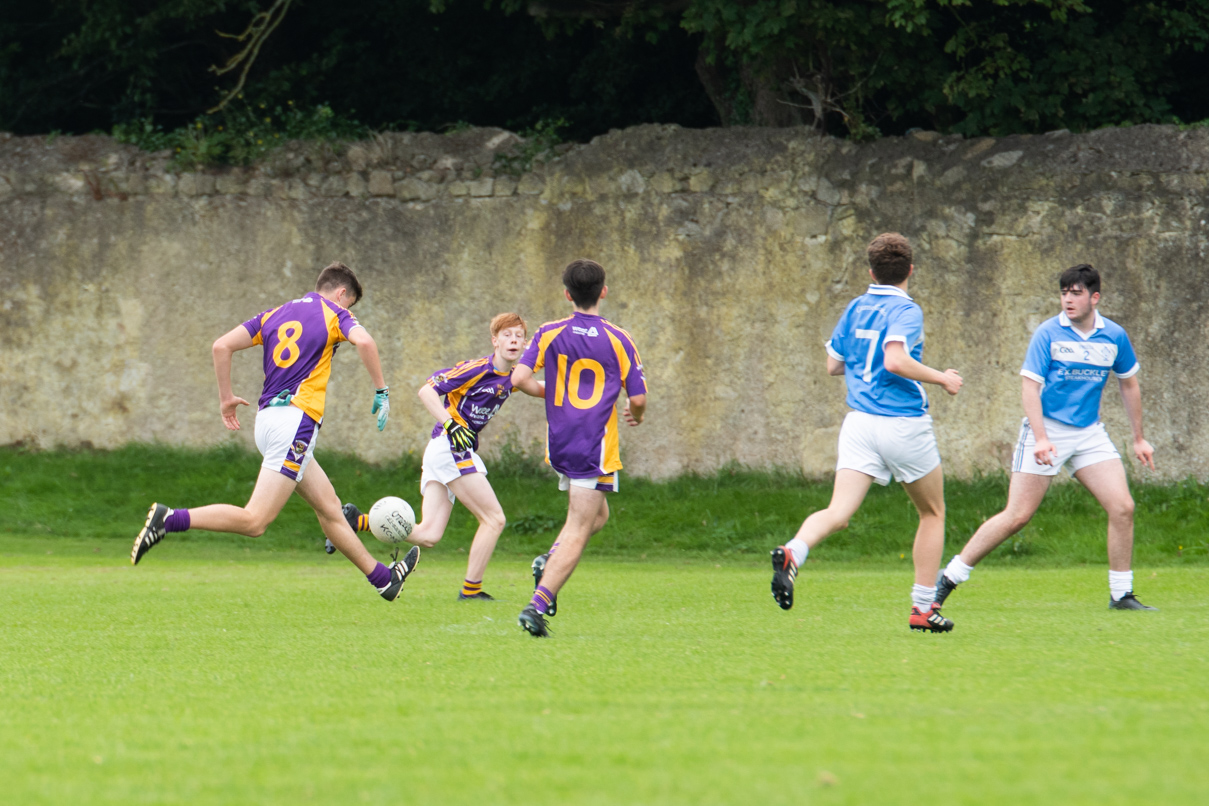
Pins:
<point x="474" y="391"/>
<point x="588" y="361"/>
<point x="299" y="339"/>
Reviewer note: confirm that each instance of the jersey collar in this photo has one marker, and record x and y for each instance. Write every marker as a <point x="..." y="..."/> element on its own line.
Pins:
<point x="887" y="291"/>
<point x="1064" y="320"/>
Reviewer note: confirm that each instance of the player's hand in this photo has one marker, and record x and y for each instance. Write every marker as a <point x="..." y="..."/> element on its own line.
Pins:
<point x="460" y="437"/>
<point x="1145" y="453"/>
<point x="952" y="381"/>
<point x="629" y="416"/>
<point x="227" y="408"/>
<point x="1044" y="452"/>
<point x="381" y="406"/>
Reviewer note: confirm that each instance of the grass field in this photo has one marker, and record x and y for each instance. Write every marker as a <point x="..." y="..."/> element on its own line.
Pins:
<point x="229" y="670"/>
<point x="208" y="675"/>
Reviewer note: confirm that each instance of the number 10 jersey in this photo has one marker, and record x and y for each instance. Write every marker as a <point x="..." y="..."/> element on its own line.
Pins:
<point x="300" y="338"/>
<point x="588" y="361"/>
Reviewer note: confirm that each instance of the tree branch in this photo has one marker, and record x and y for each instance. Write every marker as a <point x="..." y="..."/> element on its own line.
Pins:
<point x="257" y="32"/>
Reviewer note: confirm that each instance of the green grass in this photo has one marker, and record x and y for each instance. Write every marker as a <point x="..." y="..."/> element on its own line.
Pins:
<point x="734" y="513"/>
<point x="213" y="675"/>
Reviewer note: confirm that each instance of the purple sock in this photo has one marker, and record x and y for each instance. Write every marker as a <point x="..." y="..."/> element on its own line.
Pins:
<point x="178" y="521"/>
<point x="542" y="598"/>
<point x="553" y="549"/>
<point x="379" y="577"/>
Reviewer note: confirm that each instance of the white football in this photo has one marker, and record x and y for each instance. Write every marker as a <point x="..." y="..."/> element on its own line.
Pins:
<point x="391" y="520"/>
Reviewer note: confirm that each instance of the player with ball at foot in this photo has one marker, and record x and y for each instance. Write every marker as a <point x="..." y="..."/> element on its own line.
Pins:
<point x="473" y="391"/>
<point x="300" y="339"/>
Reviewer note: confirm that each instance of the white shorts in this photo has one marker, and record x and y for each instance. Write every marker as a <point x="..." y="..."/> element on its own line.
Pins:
<point x="442" y="465"/>
<point x="1079" y="447"/>
<point x="285" y="437"/>
<point x="606" y="484"/>
<point x="879" y="446"/>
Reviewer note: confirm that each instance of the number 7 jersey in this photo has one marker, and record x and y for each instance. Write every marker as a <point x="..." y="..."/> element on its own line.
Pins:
<point x="588" y="361"/>
<point x="879" y="316"/>
<point x="300" y="338"/>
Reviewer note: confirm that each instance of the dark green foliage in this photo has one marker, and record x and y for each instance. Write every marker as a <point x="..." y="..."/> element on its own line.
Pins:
<point x="850" y="67"/>
<point x="733" y="513"/>
<point x="86" y="65"/>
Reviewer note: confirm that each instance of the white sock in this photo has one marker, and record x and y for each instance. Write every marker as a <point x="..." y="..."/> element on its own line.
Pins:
<point x="799" y="550"/>
<point x="923" y="597"/>
<point x="957" y="571"/>
<point x="1120" y="583"/>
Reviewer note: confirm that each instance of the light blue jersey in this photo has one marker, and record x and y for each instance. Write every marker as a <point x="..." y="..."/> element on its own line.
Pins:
<point x="881" y="315"/>
<point x="1073" y="368"/>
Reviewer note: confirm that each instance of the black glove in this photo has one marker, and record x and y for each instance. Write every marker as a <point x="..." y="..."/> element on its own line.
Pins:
<point x="460" y="437"/>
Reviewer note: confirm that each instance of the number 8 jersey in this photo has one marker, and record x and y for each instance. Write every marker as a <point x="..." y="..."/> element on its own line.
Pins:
<point x="300" y="338"/>
<point x="588" y="361"/>
<point x="879" y="316"/>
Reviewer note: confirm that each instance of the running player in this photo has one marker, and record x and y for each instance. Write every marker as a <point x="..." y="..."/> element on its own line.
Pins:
<point x="877" y="346"/>
<point x="1065" y="372"/>
<point x="474" y="391"/>
<point x="592" y="361"/>
<point x="299" y="338"/>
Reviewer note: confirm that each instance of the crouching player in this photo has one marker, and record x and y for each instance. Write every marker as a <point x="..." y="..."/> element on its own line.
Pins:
<point x="300" y="338"/>
<point x="473" y="392"/>
<point x="877" y="346"/>
<point x="589" y="361"/>
<point x="1065" y="372"/>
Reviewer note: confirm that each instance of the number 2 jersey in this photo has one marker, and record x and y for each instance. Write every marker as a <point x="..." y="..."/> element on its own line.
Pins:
<point x="588" y="361"/>
<point x="881" y="315"/>
<point x="300" y="338"/>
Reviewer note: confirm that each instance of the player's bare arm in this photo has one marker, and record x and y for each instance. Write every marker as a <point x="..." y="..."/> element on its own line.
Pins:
<point x="834" y="366"/>
<point x="224" y="347"/>
<point x="900" y="362"/>
<point x="522" y="378"/>
<point x="1030" y="396"/>
<point x="367" y="348"/>
<point x="635" y="409"/>
<point x="1131" y="396"/>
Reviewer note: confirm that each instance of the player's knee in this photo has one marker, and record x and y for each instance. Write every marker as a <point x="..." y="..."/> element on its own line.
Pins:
<point x="494" y="520"/>
<point x="1018" y="520"/>
<point x="1122" y="509"/>
<point x="256" y="528"/>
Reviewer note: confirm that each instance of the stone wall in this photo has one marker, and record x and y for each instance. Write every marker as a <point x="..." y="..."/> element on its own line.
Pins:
<point x="730" y="254"/>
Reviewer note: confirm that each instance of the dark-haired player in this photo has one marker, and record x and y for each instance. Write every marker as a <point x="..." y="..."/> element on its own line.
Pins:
<point x="299" y="338"/>
<point x="877" y="346"/>
<point x="588" y="363"/>
<point x="1064" y="374"/>
<point x="473" y="392"/>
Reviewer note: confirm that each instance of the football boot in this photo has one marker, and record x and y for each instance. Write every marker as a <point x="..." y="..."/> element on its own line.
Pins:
<point x="944" y="586"/>
<point x="481" y="596"/>
<point x="929" y="621"/>
<point x="151" y="533"/>
<point x="784" y="572"/>
<point x="533" y="622"/>
<point x="1128" y="602"/>
<point x="539" y="568"/>
<point x="399" y="572"/>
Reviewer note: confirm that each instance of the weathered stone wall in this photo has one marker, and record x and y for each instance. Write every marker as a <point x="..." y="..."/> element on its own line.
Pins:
<point x="730" y="254"/>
